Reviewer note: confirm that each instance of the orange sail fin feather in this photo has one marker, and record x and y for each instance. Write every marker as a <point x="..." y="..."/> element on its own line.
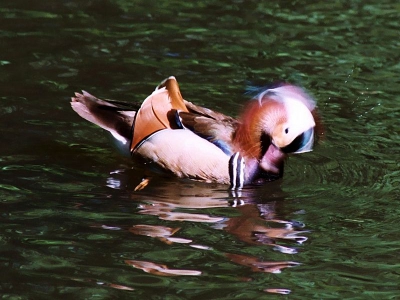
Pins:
<point x="197" y="143"/>
<point x="155" y="112"/>
<point x="174" y="93"/>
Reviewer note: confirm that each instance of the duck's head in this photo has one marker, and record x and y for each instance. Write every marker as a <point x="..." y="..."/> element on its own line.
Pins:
<point x="278" y="122"/>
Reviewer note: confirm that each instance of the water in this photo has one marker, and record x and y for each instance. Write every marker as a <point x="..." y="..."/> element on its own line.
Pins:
<point x="71" y="225"/>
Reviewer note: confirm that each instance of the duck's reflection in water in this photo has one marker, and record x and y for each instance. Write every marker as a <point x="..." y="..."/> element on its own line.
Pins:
<point x="255" y="220"/>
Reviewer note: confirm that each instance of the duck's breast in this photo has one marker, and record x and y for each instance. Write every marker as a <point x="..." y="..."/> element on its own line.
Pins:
<point x="186" y="154"/>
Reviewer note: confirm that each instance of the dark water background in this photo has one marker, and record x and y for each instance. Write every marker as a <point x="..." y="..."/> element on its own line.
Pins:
<point x="71" y="226"/>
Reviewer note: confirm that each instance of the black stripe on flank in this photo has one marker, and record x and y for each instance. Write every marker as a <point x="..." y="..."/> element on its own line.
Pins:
<point x="178" y="119"/>
<point x="236" y="171"/>
<point x="232" y="170"/>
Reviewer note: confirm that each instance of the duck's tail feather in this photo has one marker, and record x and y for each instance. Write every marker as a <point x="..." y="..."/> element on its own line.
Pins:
<point x="113" y="116"/>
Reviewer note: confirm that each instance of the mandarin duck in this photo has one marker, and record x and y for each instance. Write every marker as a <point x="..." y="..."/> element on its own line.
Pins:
<point x="197" y="143"/>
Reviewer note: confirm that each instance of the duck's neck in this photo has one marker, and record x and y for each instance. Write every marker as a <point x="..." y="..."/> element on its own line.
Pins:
<point x="259" y="171"/>
<point x="248" y="170"/>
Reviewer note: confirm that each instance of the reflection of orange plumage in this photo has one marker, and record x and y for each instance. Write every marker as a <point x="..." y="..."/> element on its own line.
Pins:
<point x="195" y="142"/>
<point x="260" y="266"/>
<point x="159" y="269"/>
<point x="251" y="228"/>
<point x="247" y="224"/>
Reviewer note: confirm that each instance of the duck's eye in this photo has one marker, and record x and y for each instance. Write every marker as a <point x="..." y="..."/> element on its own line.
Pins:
<point x="286" y="130"/>
<point x="299" y="142"/>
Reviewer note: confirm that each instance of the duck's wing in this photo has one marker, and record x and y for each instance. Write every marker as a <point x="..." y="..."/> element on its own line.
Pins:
<point x="113" y="116"/>
<point x="163" y="109"/>
<point x="213" y="126"/>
